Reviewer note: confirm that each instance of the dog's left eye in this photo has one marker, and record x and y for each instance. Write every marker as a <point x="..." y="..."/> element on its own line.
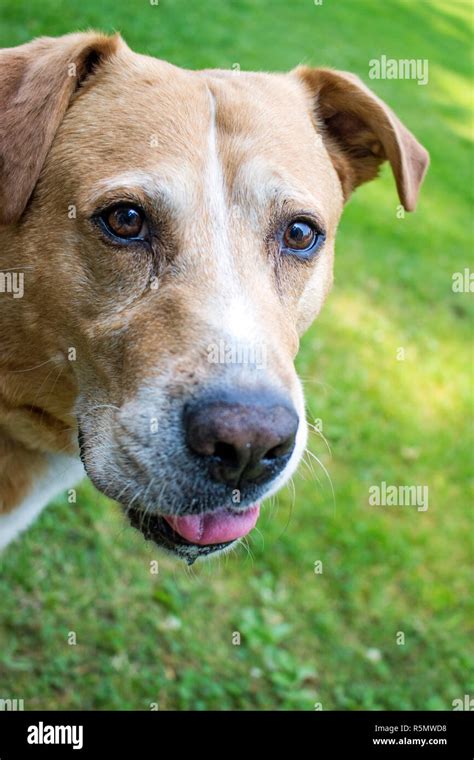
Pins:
<point x="125" y="222"/>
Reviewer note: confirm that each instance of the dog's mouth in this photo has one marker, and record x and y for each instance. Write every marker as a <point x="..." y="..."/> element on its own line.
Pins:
<point x="194" y="536"/>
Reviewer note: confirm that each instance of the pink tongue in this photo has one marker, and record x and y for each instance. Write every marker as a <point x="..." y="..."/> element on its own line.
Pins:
<point x="215" y="527"/>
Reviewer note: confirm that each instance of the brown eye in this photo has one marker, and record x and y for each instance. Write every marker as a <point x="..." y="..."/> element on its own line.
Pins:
<point x="299" y="236"/>
<point x="125" y="222"/>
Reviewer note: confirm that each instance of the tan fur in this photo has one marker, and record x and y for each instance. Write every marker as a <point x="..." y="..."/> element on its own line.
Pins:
<point x="303" y="139"/>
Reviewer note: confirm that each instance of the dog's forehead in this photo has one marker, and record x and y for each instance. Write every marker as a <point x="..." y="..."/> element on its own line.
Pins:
<point x="254" y="105"/>
<point x="148" y="116"/>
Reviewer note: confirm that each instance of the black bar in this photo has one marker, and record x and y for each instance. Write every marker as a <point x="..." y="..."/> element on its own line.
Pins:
<point x="445" y="734"/>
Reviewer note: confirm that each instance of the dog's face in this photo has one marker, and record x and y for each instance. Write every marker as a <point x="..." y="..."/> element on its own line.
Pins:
<point x="182" y="226"/>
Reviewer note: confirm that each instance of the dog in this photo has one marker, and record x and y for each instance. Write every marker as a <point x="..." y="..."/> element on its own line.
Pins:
<point x="174" y="233"/>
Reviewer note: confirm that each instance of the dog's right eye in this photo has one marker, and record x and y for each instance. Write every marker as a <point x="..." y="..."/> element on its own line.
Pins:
<point x="125" y="222"/>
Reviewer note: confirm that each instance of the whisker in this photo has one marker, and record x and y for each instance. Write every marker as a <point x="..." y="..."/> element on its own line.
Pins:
<point x="30" y="369"/>
<point x="324" y="469"/>
<point x="309" y="464"/>
<point x="316" y="431"/>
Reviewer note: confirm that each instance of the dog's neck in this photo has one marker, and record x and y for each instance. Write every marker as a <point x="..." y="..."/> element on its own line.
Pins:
<point x="37" y="387"/>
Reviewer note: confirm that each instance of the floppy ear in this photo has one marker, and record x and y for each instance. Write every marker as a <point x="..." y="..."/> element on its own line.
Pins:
<point x="37" y="81"/>
<point x="361" y="132"/>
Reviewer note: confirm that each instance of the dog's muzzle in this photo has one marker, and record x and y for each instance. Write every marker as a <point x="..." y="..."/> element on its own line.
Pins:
<point x="232" y="445"/>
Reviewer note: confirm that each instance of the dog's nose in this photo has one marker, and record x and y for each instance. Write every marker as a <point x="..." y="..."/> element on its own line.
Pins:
<point x="244" y="440"/>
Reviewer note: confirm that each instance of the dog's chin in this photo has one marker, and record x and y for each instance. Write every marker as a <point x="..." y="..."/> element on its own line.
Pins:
<point x="155" y="528"/>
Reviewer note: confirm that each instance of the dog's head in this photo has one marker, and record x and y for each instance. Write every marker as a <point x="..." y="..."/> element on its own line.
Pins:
<point x="179" y="227"/>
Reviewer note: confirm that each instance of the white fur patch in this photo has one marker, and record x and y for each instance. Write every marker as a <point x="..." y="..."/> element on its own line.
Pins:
<point x="171" y="188"/>
<point x="215" y="185"/>
<point x="234" y="314"/>
<point x="62" y="472"/>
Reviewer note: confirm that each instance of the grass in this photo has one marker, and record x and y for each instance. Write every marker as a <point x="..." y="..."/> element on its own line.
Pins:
<point x="306" y="638"/>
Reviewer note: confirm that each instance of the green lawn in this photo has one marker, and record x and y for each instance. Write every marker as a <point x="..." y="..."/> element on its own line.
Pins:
<point x="306" y="638"/>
